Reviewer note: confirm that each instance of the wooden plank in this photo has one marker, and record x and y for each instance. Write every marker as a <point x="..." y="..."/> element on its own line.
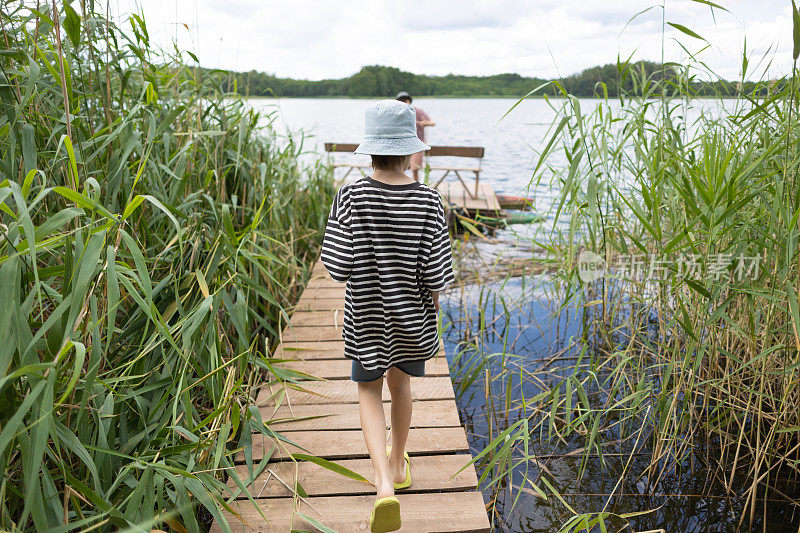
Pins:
<point x="425" y="414"/>
<point x="319" y="304"/>
<point x="340" y="147"/>
<point x="353" y="165"/>
<point x="325" y="292"/>
<point x="454" y="192"/>
<point x="455" y="151"/>
<point x="465" y="169"/>
<point x="330" y="317"/>
<point x="422" y="512"/>
<point x="491" y="198"/>
<point x="319" y="268"/>
<point x="310" y="350"/>
<point x="340" y="368"/>
<point x="349" y="444"/>
<point x="315" y="333"/>
<point x="318" y="275"/>
<point x="429" y="473"/>
<point x="346" y="391"/>
<point x="321" y="282"/>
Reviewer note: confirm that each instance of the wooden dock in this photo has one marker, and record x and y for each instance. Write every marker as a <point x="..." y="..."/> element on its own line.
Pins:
<point x="455" y="193"/>
<point x="327" y="425"/>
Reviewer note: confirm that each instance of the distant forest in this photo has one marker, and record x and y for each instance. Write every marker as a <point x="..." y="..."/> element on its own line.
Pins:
<point x="379" y="81"/>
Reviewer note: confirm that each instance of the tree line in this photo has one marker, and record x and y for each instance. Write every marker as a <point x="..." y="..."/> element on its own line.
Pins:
<point x="600" y="81"/>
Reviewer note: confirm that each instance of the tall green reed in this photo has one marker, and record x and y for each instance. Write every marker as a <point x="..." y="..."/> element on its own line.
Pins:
<point x="153" y="229"/>
<point x="687" y="183"/>
<point x="684" y="365"/>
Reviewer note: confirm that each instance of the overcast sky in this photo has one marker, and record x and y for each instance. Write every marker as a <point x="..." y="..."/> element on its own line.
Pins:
<point x="546" y="38"/>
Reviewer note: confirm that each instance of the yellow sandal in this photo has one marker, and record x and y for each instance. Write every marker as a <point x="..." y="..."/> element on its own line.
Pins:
<point x="385" y="515"/>
<point x="407" y="482"/>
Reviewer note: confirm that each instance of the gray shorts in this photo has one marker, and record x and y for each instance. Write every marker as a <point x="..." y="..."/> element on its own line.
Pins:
<point x="412" y="368"/>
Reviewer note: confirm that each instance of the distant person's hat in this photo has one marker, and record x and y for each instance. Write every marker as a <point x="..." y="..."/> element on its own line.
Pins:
<point x="390" y="128"/>
<point x="403" y="94"/>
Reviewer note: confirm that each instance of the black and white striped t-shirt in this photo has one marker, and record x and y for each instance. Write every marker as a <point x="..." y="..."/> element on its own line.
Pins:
<point x="390" y="243"/>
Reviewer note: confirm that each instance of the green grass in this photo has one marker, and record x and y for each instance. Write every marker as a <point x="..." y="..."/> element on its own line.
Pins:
<point x="153" y="230"/>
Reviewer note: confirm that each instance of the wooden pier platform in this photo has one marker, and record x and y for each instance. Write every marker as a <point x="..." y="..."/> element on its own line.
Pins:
<point x="456" y="194"/>
<point x="324" y="421"/>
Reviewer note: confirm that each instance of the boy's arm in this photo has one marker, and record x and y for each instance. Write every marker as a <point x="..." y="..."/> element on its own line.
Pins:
<point x="337" y="243"/>
<point x="437" y="271"/>
<point x="425" y="120"/>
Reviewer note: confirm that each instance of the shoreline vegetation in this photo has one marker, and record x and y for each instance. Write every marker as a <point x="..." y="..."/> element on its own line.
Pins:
<point x="605" y="81"/>
<point x="152" y="237"/>
<point x="687" y="358"/>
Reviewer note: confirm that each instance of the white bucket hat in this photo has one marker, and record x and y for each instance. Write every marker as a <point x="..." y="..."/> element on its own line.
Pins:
<point x="390" y="128"/>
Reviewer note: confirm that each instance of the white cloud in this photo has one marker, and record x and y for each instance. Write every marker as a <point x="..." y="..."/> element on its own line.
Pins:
<point x="315" y="40"/>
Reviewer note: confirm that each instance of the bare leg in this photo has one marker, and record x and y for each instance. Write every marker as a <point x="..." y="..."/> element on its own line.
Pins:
<point x="400" y="388"/>
<point x="373" y="426"/>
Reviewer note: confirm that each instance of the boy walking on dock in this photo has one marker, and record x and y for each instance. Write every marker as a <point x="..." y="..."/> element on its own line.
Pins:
<point x="387" y="238"/>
